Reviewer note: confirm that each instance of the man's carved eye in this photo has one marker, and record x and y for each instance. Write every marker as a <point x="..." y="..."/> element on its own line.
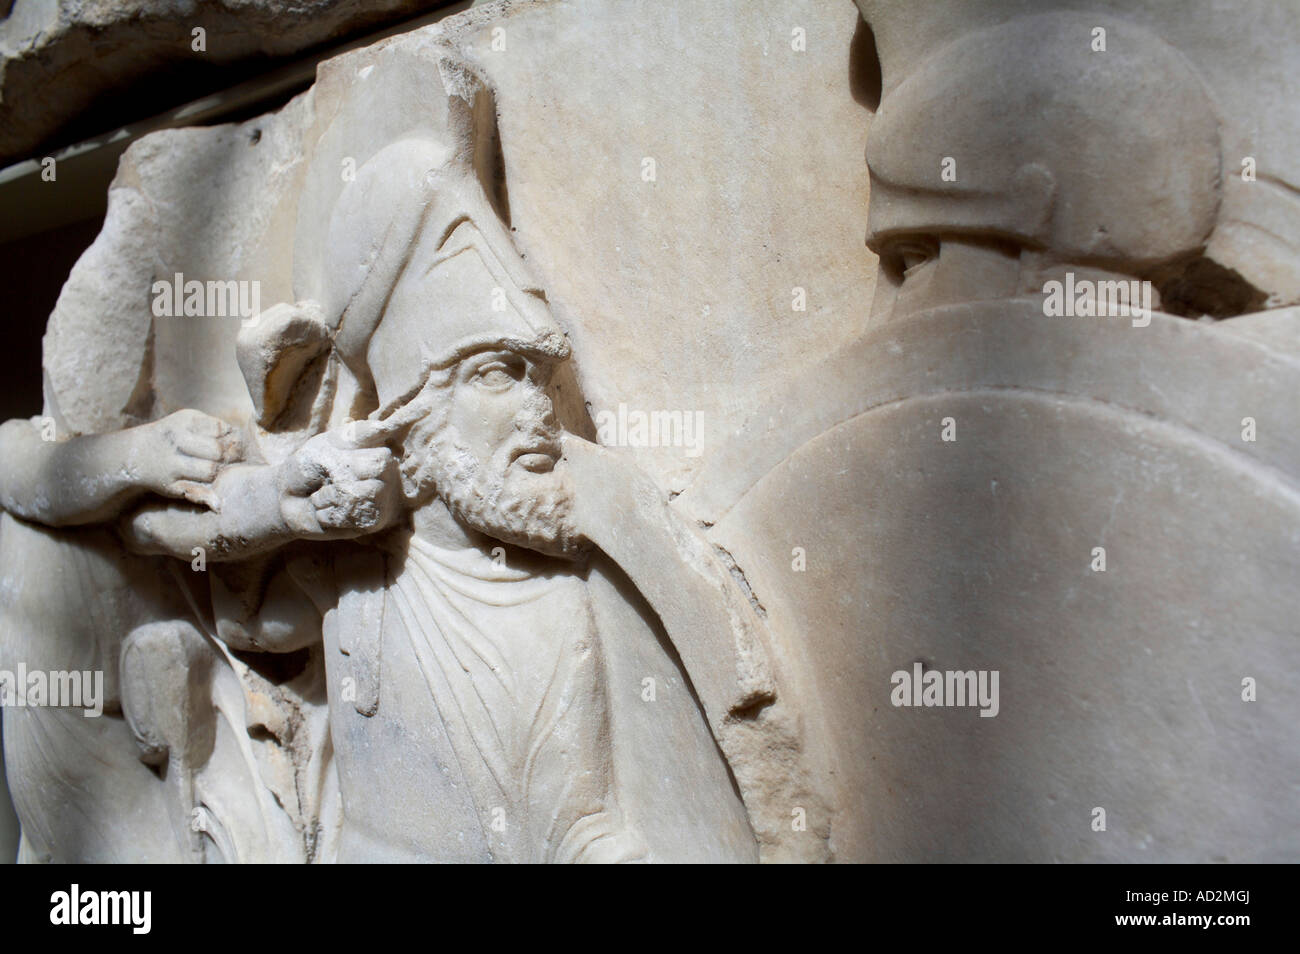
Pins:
<point x="496" y="375"/>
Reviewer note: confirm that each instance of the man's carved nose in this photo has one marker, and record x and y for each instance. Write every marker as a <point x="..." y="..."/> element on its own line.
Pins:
<point x="537" y="413"/>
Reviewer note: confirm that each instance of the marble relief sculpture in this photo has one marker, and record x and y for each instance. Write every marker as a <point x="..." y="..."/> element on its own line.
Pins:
<point x="367" y="582"/>
<point x="400" y="522"/>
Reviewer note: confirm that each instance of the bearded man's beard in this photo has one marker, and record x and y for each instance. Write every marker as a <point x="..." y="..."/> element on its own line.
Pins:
<point x="496" y="498"/>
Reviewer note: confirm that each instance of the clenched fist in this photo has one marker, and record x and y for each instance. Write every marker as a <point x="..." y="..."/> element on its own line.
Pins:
<point x="182" y="454"/>
<point x="338" y="485"/>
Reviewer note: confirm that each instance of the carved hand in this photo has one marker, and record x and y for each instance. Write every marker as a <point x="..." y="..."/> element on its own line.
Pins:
<point x="336" y="485"/>
<point x="182" y="454"/>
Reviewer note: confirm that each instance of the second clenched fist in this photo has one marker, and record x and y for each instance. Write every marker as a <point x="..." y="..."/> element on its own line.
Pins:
<point x="334" y="485"/>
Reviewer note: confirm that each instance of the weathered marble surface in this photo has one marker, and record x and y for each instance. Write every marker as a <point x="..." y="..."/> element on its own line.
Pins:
<point x="60" y="58"/>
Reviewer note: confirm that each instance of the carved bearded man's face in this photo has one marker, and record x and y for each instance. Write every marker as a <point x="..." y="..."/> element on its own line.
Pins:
<point x="488" y="447"/>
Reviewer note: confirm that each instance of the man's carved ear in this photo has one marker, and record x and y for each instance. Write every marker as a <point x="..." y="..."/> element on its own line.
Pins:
<point x="282" y="359"/>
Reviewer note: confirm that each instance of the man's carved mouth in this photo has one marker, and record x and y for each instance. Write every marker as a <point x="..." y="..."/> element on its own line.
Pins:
<point x="538" y="456"/>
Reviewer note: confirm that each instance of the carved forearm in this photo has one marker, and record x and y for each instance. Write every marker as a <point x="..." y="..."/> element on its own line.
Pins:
<point x="249" y="523"/>
<point x="64" y="483"/>
<point x="329" y="490"/>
